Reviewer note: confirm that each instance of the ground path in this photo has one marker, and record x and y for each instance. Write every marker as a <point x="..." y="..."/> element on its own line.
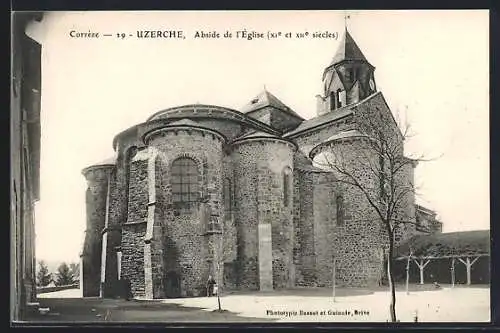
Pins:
<point x="462" y="303"/>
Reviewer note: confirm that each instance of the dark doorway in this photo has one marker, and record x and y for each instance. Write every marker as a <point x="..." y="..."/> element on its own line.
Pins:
<point x="172" y="285"/>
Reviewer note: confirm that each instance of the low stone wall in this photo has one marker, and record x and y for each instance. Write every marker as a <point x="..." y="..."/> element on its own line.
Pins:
<point x="43" y="290"/>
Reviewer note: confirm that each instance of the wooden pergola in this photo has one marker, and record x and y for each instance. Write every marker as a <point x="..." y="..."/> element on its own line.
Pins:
<point x="465" y="247"/>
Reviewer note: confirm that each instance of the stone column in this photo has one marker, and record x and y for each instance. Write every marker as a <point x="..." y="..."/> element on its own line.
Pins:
<point x="153" y="243"/>
<point x="111" y="236"/>
<point x="96" y="202"/>
<point x="104" y="244"/>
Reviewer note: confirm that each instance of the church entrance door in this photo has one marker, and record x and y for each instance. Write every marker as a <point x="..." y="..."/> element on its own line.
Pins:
<point x="172" y="285"/>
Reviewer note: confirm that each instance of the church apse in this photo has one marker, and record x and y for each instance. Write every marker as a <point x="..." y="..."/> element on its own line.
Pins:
<point x="241" y="195"/>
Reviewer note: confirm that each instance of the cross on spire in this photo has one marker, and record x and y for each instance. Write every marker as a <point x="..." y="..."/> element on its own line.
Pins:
<point x="346" y="17"/>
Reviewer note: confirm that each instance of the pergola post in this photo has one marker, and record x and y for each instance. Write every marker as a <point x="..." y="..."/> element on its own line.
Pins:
<point x="408" y="274"/>
<point x="421" y="265"/>
<point x="468" y="265"/>
<point x="334" y="278"/>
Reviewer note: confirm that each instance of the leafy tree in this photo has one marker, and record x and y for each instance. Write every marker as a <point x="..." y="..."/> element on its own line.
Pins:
<point x="75" y="271"/>
<point x="64" y="275"/>
<point x="43" y="277"/>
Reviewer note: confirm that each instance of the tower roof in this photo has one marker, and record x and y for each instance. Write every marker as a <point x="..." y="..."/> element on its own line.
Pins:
<point x="348" y="50"/>
<point x="265" y="98"/>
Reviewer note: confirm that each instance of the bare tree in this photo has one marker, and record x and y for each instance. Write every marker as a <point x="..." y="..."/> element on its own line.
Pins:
<point x="379" y="172"/>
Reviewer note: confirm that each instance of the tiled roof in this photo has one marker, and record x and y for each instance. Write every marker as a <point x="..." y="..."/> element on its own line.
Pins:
<point x="462" y="243"/>
<point x="323" y="119"/>
<point x="329" y="117"/>
<point x="256" y="134"/>
<point x="344" y="134"/>
<point x="264" y="99"/>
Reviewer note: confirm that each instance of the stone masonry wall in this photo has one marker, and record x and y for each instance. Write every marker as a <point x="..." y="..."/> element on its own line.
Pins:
<point x="304" y="246"/>
<point x="97" y="178"/>
<point x="189" y="250"/>
<point x="307" y="141"/>
<point x="134" y="229"/>
<point x="259" y="196"/>
<point x="325" y="225"/>
<point x="375" y="118"/>
<point x="117" y="212"/>
<point x="229" y="228"/>
<point x="133" y="257"/>
<point x="154" y="248"/>
<point x="228" y="128"/>
<point x="245" y="219"/>
<point x="314" y="227"/>
<point x="112" y="234"/>
<point x="359" y="239"/>
<point x="358" y="242"/>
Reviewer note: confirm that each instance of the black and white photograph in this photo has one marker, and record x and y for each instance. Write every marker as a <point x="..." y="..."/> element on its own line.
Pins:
<point x="250" y="167"/>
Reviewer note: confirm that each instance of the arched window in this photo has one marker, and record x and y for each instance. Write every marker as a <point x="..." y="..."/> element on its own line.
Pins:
<point x="228" y="197"/>
<point x="287" y="182"/>
<point x="185" y="185"/>
<point x="339" y="103"/>
<point x="340" y="209"/>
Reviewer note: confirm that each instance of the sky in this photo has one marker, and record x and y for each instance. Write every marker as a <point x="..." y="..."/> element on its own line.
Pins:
<point x="431" y="66"/>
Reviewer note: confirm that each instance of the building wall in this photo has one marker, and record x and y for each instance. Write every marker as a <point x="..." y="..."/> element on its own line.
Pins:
<point x="304" y="245"/>
<point x="259" y="198"/>
<point x="308" y="140"/>
<point x="96" y="211"/>
<point x="133" y="231"/>
<point x="246" y="215"/>
<point x="111" y="240"/>
<point x="325" y="190"/>
<point x="304" y="235"/>
<point x="184" y="247"/>
<point x="259" y="238"/>
<point x="359" y="237"/>
<point x="24" y="157"/>
<point x="229" y="227"/>
<point x="17" y="299"/>
<point x="230" y="129"/>
<point x="277" y="118"/>
<point x="374" y="118"/>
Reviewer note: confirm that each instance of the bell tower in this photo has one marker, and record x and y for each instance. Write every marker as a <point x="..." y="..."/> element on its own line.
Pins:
<point x="348" y="79"/>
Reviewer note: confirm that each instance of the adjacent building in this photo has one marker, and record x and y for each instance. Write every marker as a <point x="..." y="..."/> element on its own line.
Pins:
<point x="25" y="161"/>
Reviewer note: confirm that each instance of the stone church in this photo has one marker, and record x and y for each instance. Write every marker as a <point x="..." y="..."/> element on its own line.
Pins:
<point x="199" y="190"/>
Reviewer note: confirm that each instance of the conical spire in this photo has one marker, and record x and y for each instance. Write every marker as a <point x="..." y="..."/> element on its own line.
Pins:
<point x="348" y="50"/>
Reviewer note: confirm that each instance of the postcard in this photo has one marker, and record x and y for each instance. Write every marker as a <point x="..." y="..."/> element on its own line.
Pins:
<point x="250" y="166"/>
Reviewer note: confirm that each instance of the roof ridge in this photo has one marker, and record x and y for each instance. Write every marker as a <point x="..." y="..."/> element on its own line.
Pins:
<point x="266" y="98"/>
<point x="328" y="117"/>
